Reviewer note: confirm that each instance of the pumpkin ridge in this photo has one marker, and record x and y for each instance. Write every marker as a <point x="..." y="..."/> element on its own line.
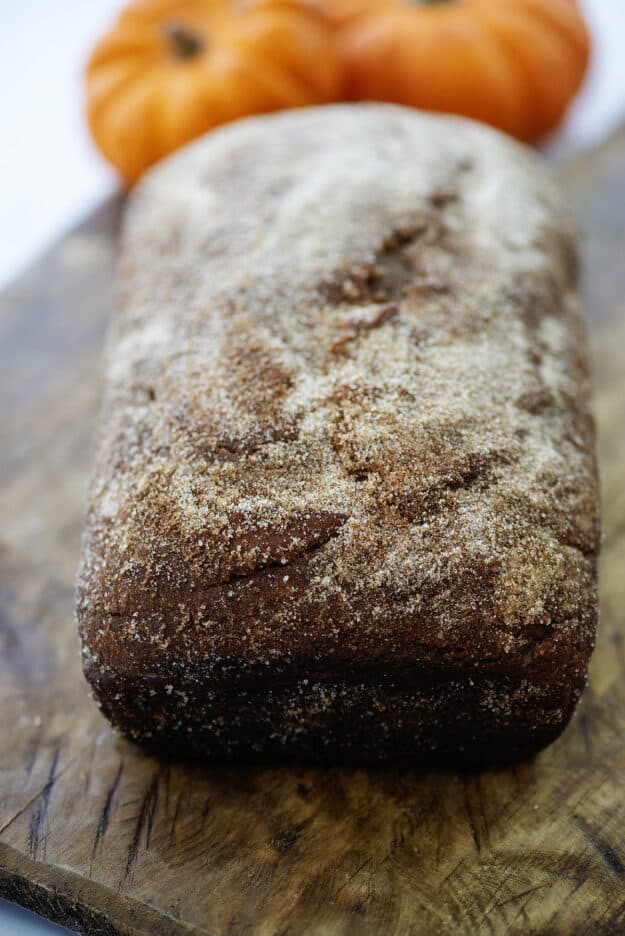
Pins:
<point x="116" y="141"/>
<point x="108" y="85"/>
<point x="561" y="16"/>
<point x="541" y="92"/>
<point x="499" y="63"/>
<point x="272" y="76"/>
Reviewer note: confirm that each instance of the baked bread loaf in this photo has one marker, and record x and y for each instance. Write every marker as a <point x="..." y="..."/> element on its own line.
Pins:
<point x="345" y="498"/>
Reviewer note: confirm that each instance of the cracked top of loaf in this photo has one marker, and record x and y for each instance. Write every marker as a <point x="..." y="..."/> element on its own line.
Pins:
<point x="346" y="415"/>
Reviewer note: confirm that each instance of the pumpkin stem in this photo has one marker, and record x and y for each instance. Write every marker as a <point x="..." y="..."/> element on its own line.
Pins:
<point x="183" y="43"/>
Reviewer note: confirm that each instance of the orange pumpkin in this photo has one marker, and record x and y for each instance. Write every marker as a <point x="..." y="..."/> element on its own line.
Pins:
<point x="515" y="64"/>
<point x="169" y="70"/>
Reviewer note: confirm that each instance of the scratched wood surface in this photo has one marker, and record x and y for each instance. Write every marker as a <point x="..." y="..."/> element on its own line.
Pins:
<point x="96" y="835"/>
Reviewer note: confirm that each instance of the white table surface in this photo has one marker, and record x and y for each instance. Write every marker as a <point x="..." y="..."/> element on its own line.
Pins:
<point x="17" y="922"/>
<point x="51" y="175"/>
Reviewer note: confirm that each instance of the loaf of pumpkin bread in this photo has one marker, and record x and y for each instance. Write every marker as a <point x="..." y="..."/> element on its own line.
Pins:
<point x="344" y="505"/>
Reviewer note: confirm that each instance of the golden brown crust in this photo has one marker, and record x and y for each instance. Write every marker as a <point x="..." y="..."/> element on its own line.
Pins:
<point x="346" y="442"/>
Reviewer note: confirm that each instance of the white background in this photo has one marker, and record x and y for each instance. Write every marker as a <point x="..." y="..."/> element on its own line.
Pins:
<point x="50" y="174"/>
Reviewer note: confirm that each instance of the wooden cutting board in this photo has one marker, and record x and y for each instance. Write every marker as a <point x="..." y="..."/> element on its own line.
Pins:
<point x="100" y="837"/>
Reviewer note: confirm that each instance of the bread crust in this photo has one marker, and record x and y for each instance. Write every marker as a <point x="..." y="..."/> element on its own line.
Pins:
<point x="345" y="503"/>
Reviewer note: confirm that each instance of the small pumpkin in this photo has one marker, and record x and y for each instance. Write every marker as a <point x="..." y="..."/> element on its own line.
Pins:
<point x="169" y="70"/>
<point x="515" y="64"/>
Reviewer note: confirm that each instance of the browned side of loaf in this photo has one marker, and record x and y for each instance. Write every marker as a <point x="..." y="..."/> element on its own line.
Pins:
<point x="345" y="495"/>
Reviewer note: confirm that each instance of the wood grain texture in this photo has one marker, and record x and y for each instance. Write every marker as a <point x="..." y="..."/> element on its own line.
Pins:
<point x="100" y="837"/>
